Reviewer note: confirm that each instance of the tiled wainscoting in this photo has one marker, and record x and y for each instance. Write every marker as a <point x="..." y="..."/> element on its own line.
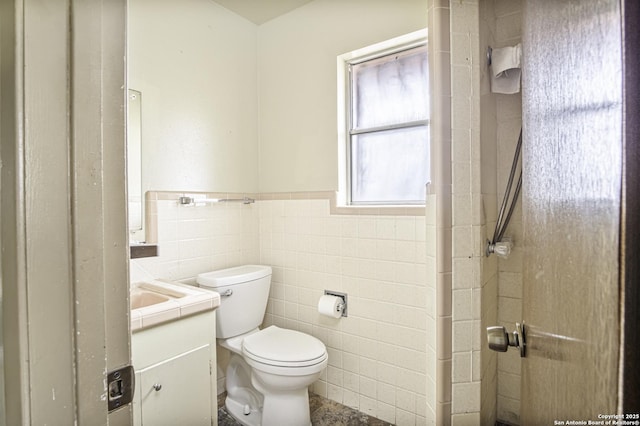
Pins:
<point x="378" y="361"/>
<point x="377" y="355"/>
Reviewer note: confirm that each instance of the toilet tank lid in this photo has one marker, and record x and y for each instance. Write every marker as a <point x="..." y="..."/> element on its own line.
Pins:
<point x="230" y="276"/>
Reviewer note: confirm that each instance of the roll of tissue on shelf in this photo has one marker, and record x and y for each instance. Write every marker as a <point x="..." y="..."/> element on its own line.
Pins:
<point x="330" y="306"/>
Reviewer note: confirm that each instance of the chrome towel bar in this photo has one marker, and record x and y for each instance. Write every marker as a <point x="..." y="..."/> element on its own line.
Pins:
<point x="186" y="201"/>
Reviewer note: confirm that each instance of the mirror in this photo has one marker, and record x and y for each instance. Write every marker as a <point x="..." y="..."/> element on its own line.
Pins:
<point x="134" y="166"/>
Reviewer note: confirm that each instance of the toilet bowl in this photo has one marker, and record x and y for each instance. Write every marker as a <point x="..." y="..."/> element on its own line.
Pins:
<point x="270" y="369"/>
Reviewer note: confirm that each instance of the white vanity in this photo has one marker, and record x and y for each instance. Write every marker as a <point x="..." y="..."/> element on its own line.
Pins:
<point x="173" y="347"/>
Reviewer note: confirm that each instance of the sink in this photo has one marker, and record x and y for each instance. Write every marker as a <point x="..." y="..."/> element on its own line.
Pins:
<point x="141" y="298"/>
<point x="148" y="294"/>
<point x="156" y="301"/>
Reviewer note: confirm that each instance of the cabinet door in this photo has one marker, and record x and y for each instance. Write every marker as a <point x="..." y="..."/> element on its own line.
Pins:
<point x="177" y="391"/>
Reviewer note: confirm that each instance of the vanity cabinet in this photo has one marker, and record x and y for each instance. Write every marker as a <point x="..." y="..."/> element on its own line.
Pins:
<point x="175" y="365"/>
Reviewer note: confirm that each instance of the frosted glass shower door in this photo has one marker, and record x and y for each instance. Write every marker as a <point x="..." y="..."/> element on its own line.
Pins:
<point x="572" y="121"/>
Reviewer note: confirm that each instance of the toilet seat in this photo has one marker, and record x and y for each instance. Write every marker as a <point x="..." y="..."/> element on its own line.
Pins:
<point x="283" y="348"/>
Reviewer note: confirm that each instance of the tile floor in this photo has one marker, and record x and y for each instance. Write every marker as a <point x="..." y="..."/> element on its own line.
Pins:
<point x="324" y="412"/>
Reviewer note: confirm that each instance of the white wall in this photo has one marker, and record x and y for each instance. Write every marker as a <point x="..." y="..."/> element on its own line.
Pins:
<point x="297" y="83"/>
<point x="195" y="64"/>
<point x="202" y="71"/>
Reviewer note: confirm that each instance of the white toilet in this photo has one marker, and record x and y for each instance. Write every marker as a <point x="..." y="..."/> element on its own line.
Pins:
<point x="269" y="370"/>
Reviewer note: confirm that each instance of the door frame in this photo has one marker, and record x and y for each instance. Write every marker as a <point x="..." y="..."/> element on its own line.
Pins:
<point x="630" y="223"/>
<point x="64" y="234"/>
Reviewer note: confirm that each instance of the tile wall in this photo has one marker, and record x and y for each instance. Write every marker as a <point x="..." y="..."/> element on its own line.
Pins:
<point x="508" y="15"/>
<point x="438" y="214"/>
<point x="192" y="239"/>
<point x="377" y="354"/>
<point x="500" y="121"/>
<point x="468" y="229"/>
<point x="378" y="358"/>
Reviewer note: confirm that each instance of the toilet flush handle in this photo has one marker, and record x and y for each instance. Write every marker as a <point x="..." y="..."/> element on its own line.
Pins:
<point x="227" y="293"/>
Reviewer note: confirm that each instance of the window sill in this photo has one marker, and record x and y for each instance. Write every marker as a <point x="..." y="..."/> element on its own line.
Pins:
<point x="391" y="210"/>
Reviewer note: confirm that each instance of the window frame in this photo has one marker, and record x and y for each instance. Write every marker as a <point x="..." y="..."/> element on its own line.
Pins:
<point x="417" y="39"/>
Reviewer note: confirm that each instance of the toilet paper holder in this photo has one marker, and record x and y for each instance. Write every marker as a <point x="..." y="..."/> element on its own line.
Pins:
<point x="343" y="306"/>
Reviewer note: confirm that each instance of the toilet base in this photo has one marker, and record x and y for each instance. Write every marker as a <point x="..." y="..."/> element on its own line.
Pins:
<point x="293" y="410"/>
<point x="258" y="398"/>
<point x="274" y="415"/>
<point x="286" y="402"/>
<point x="296" y="411"/>
<point x="237" y="410"/>
<point x="243" y="402"/>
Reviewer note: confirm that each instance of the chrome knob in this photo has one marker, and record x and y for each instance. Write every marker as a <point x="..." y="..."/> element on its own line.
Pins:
<point x="157" y="387"/>
<point x="499" y="340"/>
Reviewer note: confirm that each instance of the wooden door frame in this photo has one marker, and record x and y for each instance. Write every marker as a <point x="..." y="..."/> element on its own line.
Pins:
<point x="63" y="211"/>
<point x="630" y="223"/>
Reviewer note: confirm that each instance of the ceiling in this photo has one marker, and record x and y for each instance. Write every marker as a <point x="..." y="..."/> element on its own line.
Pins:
<point x="261" y="11"/>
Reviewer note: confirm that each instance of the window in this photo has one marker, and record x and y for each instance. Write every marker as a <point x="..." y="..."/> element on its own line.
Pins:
<point x="387" y="121"/>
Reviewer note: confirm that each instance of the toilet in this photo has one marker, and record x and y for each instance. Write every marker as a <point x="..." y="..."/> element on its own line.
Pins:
<point x="270" y="369"/>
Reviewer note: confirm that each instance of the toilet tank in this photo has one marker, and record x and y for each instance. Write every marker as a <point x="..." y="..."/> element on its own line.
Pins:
<point x="244" y="291"/>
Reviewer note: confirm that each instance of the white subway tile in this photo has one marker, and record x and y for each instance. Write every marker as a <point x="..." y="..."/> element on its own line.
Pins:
<point x="411" y="380"/>
<point x="462" y="336"/>
<point x="366" y="248"/>
<point x="351" y="381"/>
<point x="405" y="418"/>
<point x="465" y="397"/>
<point x="406" y="251"/>
<point x="385" y="228"/>
<point x="462" y="305"/>
<point x="367" y="228"/>
<point x="368" y="405"/>
<point x="335" y="393"/>
<point x="334" y="376"/>
<point x="385" y="250"/>
<point x="467" y="419"/>
<point x="386" y="412"/>
<point x="168" y="230"/>
<point x="461" y="367"/>
<point x="351" y="399"/>
<point x="405" y="229"/>
<point x="406" y="400"/>
<point x="368" y="387"/>
<point x="386" y="393"/>
<point x="462" y="241"/>
<point x="387" y="373"/>
<point x="476" y="359"/>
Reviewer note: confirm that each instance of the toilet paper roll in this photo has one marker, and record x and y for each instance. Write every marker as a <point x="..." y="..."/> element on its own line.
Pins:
<point x="330" y="306"/>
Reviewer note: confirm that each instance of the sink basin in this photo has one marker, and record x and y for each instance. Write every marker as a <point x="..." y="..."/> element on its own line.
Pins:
<point x="141" y="298"/>
<point x="148" y="294"/>
<point x="155" y="302"/>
